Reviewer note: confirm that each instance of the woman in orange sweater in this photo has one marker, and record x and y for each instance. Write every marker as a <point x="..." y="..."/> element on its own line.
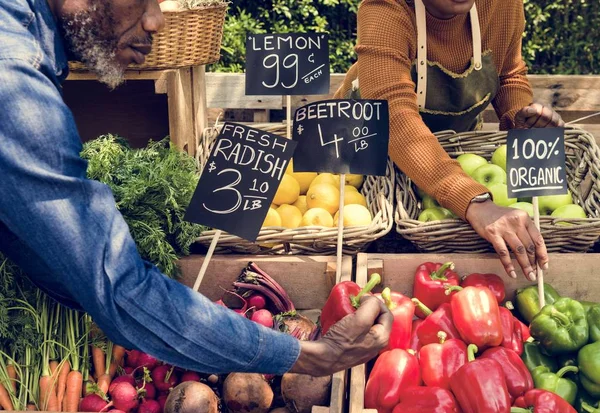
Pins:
<point x="439" y="63"/>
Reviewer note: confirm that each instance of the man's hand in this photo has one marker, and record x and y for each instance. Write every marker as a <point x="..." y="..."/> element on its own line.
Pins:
<point x="510" y="227"/>
<point x="354" y="340"/>
<point x="537" y="116"/>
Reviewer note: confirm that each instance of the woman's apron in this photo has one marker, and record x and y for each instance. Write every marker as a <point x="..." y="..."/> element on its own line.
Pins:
<point x="448" y="100"/>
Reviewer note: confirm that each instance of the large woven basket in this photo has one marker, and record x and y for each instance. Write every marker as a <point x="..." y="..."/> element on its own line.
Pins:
<point x="560" y="235"/>
<point x="378" y="191"/>
<point x="190" y="38"/>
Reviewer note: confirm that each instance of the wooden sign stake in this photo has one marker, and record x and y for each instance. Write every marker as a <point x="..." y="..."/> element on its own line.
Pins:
<point x="206" y="261"/>
<point x="340" y="239"/>
<point x="540" y="273"/>
<point x="288" y="108"/>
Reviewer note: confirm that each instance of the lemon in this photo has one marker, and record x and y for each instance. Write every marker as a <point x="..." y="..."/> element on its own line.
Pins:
<point x="272" y="219"/>
<point x="349" y="188"/>
<point x="274" y="206"/>
<point x="324" y="196"/>
<point x="353" y="197"/>
<point x="290" y="216"/>
<point x="288" y="191"/>
<point x="305" y="179"/>
<point x="290" y="167"/>
<point x="317" y="217"/>
<point x="354" y="215"/>
<point x="301" y="204"/>
<point x="327" y="178"/>
<point x="355" y="180"/>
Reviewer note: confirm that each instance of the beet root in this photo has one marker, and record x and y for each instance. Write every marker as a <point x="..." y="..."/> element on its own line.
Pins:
<point x="301" y="392"/>
<point x="247" y="393"/>
<point x="192" y="397"/>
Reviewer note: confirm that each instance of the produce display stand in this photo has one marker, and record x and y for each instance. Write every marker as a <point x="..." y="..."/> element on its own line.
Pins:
<point x="573" y="275"/>
<point x="307" y="280"/>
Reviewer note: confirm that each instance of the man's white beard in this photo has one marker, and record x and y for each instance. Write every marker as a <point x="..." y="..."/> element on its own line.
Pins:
<point x="97" y="51"/>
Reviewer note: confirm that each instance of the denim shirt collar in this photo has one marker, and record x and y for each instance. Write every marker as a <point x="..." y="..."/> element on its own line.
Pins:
<point x="50" y="38"/>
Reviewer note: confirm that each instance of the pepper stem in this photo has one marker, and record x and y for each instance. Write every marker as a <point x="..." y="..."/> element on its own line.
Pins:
<point x="451" y="288"/>
<point x="567" y="369"/>
<point x="439" y="274"/>
<point x="386" y="294"/>
<point x="424" y="309"/>
<point x="509" y="305"/>
<point x="471" y="350"/>
<point x="562" y="319"/>
<point x="442" y="336"/>
<point x="373" y="281"/>
<point x="590" y="409"/>
<point x="519" y="410"/>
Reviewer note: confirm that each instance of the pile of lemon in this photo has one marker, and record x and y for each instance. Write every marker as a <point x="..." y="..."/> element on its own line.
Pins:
<point x="309" y="199"/>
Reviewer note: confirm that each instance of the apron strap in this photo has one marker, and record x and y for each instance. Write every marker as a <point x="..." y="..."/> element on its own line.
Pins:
<point x="422" y="48"/>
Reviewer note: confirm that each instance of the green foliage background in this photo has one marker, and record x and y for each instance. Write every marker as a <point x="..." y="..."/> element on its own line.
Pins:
<point x="561" y="36"/>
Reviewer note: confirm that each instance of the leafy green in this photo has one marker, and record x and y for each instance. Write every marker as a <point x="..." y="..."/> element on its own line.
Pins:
<point x="152" y="188"/>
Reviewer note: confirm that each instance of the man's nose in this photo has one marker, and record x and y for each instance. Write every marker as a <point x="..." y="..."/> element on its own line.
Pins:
<point x="153" y="20"/>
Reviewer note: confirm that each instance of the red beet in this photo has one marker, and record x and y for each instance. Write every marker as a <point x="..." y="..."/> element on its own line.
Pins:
<point x="257" y="301"/>
<point x="146" y="360"/>
<point x="132" y="358"/>
<point x="124" y="396"/>
<point x="92" y="403"/>
<point x="263" y="317"/>
<point x="150" y="406"/>
<point x="190" y="376"/>
<point x="159" y="378"/>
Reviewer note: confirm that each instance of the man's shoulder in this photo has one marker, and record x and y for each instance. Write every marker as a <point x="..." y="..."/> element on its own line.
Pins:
<point x="16" y="39"/>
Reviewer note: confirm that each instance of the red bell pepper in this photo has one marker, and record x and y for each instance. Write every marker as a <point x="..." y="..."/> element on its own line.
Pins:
<point x="542" y="401"/>
<point x="426" y="400"/>
<point x="403" y="310"/>
<point x="440" y="361"/>
<point x="415" y="344"/>
<point x="511" y="331"/>
<point x="436" y="321"/>
<point x="518" y="378"/>
<point x="393" y="371"/>
<point x="476" y="316"/>
<point x="491" y="281"/>
<point x="430" y="282"/>
<point x="525" y="334"/>
<point x="479" y="385"/>
<point x="344" y="299"/>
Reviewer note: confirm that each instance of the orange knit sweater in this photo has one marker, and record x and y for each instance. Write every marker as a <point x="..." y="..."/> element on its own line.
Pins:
<point x="387" y="37"/>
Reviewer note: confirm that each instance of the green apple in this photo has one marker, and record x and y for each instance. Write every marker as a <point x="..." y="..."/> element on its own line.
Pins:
<point x="568" y="211"/>
<point x="435" y="214"/>
<point x="500" y="195"/>
<point x="547" y="204"/>
<point x="499" y="157"/>
<point x="469" y="162"/>
<point x="489" y="175"/>
<point x="526" y="199"/>
<point x="525" y="206"/>
<point x="429" y="202"/>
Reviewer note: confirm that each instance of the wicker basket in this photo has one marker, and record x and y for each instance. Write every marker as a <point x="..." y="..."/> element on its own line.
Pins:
<point x="378" y="192"/>
<point x="190" y="38"/>
<point x="454" y="235"/>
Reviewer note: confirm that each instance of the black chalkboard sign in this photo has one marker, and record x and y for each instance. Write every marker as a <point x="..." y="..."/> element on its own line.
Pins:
<point x="535" y="162"/>
<point x="342" y="136"/>
<point x="287" y="64"/>
<point x="239" y="180"/>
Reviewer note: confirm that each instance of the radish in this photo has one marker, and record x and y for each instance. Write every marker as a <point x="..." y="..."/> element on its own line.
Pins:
<point x="124" y="396"/>
<point x="116" y="411"/>
<point x="148" y="391"/>
<point x="126" y="378"/>
<point x="92" y="403"/>
<point x="263" y="317"/>
<point x="164" y="378"/>
<point x="162" y="400"/>
<point x="128" y="369"/>
<point x="190" y="376"/>
<point x="258" y="301"/>
<point x="132" y="358"/>
<point x="146" y="360"/>
<point x="150" y="406"/>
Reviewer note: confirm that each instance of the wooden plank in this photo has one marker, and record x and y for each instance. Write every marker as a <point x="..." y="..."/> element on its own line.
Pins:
<point x="262" y="116"/>
<point x="200" y="108"/>
<point x="129" y="75"/>
<point x="228" y="90"/>
<point x="181" y="107"/>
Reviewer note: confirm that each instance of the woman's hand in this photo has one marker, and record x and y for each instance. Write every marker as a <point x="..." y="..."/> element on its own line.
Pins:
<point x="537" y="116"/>
<point x="510" y="228"/>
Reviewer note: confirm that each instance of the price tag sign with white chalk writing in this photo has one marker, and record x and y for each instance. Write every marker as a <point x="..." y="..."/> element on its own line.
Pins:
<point x="240" y="179"/>
<point x="346" y="136"/>
<point x="287" y="64"/>
<point x="535" y="162"/>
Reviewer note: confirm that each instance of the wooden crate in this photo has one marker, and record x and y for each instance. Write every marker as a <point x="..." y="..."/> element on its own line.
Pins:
<point x="572" y="275"/>
<point x="307" y="280"/>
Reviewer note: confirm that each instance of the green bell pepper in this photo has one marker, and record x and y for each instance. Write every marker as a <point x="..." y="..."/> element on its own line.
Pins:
<point x="565" y="360"/>
<point x="584" y="403"/>
<point x="528" y="300"/>
<point x="587" y="305"/>
<point x="544" y="379"/>
<point x="593" y="319"/>
<point x="533" y="357"/>
<point x="561" y="327"/>
<point x="588" y="360"/>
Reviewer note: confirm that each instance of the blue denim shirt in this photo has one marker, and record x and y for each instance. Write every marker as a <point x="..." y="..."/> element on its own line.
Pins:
<point x="66" y="233"/>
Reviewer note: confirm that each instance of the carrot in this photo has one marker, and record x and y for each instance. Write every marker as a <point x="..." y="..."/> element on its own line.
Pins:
<point x="73" y="392"/>
<point x="98" y="361"/>
<point x="48" y="400"/>
<point x="118" y="355"/>
<point x="104" y="382"/>
<point x="31" y="407"/>
<point x="12" y="374"/>
<point x="5" y="401"/>
<point x="62" y="382"/>
<point x="53" y="367"/>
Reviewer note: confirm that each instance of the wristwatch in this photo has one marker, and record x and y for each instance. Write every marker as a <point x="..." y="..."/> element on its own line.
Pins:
<point x="481" y="198"/>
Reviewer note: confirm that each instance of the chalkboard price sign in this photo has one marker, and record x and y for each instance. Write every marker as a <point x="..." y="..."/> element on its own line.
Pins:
<point x="342" y="136"/>
<point x="535" y="163"/>
<point x="239" y="180"/>
<point x="287" y="64"/>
